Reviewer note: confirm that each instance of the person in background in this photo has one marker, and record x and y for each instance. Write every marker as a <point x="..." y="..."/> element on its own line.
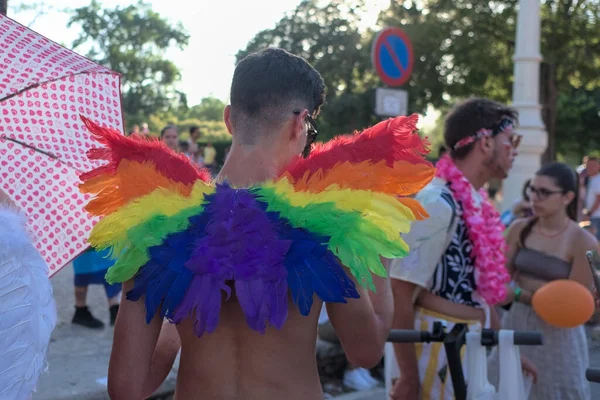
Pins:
<point x="134" y="131"/>
<point x="193" y="142"/>
<point x="210" y="157"/>
<point x="200" y="157"/>
<point x="520" y="209"/>
<point x="444" y="277"/>
<point x="170" y="137"/>
<point x="592" y="200"/>
<point x="90" y="268"/>
<point x="27" y="307"/>
<point x="581" y="170"/>
<point x="545" y="247"/>
<point x="145" y="130"/>
<point x="184" y="148"/>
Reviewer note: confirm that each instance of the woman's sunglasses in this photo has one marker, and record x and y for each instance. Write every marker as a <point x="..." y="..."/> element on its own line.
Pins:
<point x="311" y="133"/>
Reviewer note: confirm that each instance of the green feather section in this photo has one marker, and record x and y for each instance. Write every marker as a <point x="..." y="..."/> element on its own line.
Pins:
<point x="358" y="243"/>
<point x="140" y="238"/>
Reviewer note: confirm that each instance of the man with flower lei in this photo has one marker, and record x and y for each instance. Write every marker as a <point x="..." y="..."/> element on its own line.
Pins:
<point x="455" y="271"/>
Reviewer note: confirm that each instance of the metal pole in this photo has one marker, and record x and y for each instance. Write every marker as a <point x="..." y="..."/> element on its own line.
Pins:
<point x="526" y="99"/>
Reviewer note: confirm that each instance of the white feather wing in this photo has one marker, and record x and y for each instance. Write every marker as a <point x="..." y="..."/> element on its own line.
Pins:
<point x="27" y="309"/>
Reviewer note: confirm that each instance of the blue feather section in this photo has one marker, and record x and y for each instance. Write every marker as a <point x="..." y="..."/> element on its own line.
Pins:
<point x="312" y="267"/>
<point x="236" y="240"/>
<point x="165" y="279"/>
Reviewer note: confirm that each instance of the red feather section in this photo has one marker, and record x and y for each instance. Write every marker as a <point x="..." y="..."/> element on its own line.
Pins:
<point x="392" y="140"/>
<point x="174" y="166"/>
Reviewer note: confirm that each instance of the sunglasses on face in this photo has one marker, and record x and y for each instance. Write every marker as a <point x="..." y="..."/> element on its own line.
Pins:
<point x="541" y="193"/>
<point x="515" y="140"/>
<point x="311" y="132"/>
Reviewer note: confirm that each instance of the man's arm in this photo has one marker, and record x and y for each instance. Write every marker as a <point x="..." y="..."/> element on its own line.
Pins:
<point x="427" y="240"/>
<point x="163" y="359"/>
<point x="363" y="325"/>
<point x="595" y="206"/>
<point x="130" y="373"/>
<point x="404" y="318"/>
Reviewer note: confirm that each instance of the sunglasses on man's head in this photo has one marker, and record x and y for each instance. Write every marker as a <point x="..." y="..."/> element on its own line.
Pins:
<point x="311" y="133"/>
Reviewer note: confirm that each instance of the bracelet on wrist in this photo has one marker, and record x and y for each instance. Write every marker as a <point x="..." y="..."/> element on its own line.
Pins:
<point x="517" y="293"/>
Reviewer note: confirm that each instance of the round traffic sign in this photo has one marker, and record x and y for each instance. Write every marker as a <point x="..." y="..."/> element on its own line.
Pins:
<point x="392" y="56"/>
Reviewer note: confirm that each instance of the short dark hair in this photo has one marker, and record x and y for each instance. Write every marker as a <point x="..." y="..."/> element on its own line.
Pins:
<point x="470" y="116"/>
<point x="194" y="129"/>
<point x="268" y="83"/>
<point x="166" y="128"/>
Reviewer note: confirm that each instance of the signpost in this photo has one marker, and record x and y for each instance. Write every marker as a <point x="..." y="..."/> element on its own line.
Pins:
<point x="392" y="57"/>
<point x="391" y="102"/>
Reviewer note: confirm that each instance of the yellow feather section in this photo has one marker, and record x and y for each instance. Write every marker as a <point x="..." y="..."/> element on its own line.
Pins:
<point x="112" y="229"/>
<point x="384" y="211"/>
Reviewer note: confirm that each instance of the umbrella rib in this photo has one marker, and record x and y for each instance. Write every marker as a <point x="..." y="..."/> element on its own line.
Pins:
<point x="40" y="151"/>
<point x="50" y="81"/>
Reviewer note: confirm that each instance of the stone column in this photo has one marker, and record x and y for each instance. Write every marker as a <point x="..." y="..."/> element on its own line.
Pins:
<point x="526" y="91"/>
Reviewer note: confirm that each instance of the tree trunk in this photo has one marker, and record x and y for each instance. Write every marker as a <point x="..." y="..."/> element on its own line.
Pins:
<point x="549" y="101"/>
<point x="3" y="7"/>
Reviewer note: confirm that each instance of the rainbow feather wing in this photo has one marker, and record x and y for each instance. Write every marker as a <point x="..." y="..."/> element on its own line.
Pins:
<point x="135" y="167"/>
<point x="188" y="244"/>
<point x="236" y="240"/>
<point x="351" y="189"/>
<point x="144" y="192"/>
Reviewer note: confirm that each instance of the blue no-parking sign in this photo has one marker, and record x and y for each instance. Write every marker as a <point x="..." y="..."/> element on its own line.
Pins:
<point x="392" y="56"/>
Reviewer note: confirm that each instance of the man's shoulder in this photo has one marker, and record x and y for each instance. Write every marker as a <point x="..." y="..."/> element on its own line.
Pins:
<point x="437" y="196"/>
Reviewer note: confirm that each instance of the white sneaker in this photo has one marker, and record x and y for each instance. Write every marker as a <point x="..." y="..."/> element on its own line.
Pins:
<point x="368" y="377"/>
<point x="354" y="379"/>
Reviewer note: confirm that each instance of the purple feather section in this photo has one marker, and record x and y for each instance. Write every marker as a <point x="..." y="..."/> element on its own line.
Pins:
<point x="241" y="243"/>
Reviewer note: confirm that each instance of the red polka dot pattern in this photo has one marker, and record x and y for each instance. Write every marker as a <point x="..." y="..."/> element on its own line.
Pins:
<point x="43" y="90"/>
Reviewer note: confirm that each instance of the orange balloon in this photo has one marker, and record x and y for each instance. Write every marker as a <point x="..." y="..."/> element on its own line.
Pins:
<point x="563" y="303"/>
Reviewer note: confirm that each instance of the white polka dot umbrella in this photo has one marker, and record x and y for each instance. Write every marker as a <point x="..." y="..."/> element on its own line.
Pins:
<point x="44" y="88"/>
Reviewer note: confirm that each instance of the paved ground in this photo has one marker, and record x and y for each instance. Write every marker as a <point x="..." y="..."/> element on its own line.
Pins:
<point x="78" y="357"/>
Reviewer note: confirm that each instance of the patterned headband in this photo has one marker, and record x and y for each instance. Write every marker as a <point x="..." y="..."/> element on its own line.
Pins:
<point x="483" y="132"/>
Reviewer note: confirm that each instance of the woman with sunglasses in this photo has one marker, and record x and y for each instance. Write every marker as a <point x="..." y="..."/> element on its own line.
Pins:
<point x="548" y="246"/>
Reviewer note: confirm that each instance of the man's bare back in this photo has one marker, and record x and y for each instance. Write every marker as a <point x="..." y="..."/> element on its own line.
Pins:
<point x="235" y="362"/>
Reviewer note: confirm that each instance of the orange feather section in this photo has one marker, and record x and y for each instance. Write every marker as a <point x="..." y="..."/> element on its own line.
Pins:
<point x="403" y="179"/>
<point x="131" y="180"/>
<point x="174" y="166"/>
<point x="416" y="207"/>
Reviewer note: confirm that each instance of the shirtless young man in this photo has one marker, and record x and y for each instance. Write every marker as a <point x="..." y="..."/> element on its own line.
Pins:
<point x="273" y="94"/>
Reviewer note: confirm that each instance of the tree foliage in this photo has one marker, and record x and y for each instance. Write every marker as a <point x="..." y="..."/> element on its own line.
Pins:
<point x="465" y="48"/>
<point x="208" y="116"/>
<point x="133" y="40"/>
<point x="327" y="35"/>
<point x="462" y="48"/>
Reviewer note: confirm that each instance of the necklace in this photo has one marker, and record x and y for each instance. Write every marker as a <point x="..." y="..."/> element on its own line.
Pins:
<point x="485" y="231"/>
<point x="553" y="235"/>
